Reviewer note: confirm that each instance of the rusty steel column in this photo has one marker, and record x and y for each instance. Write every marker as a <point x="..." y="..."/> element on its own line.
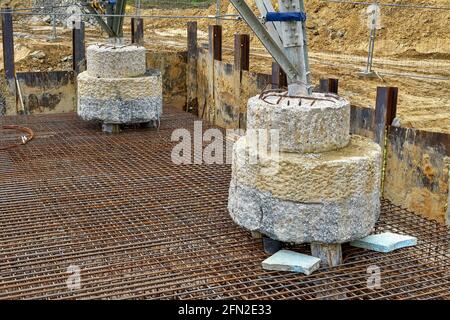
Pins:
<point x="78" y="49"/>
<point x="385" y="111"/>
<point x="137" y="31"/>
<point x="241" y="63"/>
<point x="279" y="78"/>
<point x="447" y="215"/>
<point x="242" y="52"/>
<point x="191" y="76"/>
<point x="214" y="53"/>
<point x="215" y="39"/>
<point x="8" y="49"/>
<point x="329" y="85"/>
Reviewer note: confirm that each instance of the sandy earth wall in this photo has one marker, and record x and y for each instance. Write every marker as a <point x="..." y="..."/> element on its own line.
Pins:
<point x="417" y="171"/>
<point x="173" y="71"/>
<point x="43" y="93"/>
<point x="223" y="101"/>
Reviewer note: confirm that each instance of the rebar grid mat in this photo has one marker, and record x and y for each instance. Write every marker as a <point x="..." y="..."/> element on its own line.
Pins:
<point x="283" y="94"/>
<point x="139" y="226"/>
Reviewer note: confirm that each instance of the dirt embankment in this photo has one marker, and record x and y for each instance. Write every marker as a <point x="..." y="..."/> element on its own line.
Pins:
<point x="339" y="27"/>
<point x="410" y="42"/>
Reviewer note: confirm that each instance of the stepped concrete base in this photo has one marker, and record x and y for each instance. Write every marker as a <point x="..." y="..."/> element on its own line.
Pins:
<point x="116" y="61"/>
<point x="304" y="125"/>
<point x="118" y="89"/>
<point x="334" y="176"/>
<point x="116" y="111"/>
<point x="330" y="198"/>
<point x="122" y="100"/>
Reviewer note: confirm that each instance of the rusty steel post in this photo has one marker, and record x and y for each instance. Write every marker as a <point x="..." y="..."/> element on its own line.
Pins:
<point x="242" y="52"/>
<point x="385" y="111"/>
<point x="78" y="48"/>
<point x="329" y="85"/>
<point x="191" y="68"/>
<point x="279" y="78"/>
<point x="215" y="41"/>
<point x="8" y="49"/>
<point x="447" y="215"/>
<point x="137" y="31"/>
<point x="241" y="63"/>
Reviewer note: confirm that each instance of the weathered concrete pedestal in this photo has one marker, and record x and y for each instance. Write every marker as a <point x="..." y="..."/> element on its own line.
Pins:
<point x="117" y="88"/>
<point x="323" y="187"/>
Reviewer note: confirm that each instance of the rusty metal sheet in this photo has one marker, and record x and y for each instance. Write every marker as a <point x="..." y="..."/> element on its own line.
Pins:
<point x="48" y="92"/>
<point x="417" y="165"/>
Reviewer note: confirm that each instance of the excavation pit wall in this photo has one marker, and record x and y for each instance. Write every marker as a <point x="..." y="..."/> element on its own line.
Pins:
<point x="221" y="95"/>
<point x="42" y="93"/>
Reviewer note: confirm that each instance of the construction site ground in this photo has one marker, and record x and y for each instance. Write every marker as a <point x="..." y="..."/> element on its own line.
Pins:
<point x="415" y="57"/>
<point x="117" y="212"/>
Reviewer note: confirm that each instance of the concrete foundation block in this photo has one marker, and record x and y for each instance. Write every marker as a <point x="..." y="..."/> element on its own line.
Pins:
<point x="329" y="254"/>
<point x="121" y="100"/>
<point x="305" y="126"/>
<point x="117" y="111"/>
<point x="149" y="85"/>
<point x="116" y="61"/>
<point x="330" y="198"/>
<point x="299" y="222"/>
<point x="385" y="242"/>
<point x="334" y="176"/>
<point x="286" y="260"/>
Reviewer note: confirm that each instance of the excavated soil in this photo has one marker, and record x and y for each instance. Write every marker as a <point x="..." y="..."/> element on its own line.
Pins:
<point x="412" y="50"/>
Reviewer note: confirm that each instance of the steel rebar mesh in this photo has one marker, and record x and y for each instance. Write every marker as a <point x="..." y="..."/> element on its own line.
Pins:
<point x="139" y="226"/>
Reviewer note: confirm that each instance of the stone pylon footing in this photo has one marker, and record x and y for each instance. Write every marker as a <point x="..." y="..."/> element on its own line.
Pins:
<point x="116" y="88"/>
<point x="322" y="188"/>
<point x="109" y="61"/>
<point x="312" y="126"/>
<point x="333" y="176"/>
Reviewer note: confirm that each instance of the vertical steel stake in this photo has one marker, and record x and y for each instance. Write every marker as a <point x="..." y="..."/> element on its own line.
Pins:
<point x="137" y="31"/>
<point x="78" y="48"/>
<point x="192" y="56"/>
<point x="8" y="49"/>
<point x="279" y="78"/>
<point x="329" y="85"/>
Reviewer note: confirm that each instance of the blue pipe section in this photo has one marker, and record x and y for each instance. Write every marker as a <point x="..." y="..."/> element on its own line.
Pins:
<point x="286" y="16"/>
